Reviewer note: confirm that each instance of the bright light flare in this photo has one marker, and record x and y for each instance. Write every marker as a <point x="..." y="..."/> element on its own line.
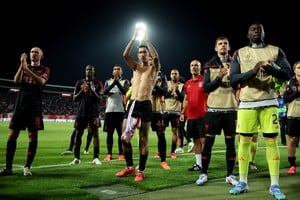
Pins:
<point x="14" y="90"/>
<point x="141" y="30"/>
<point x="66" y="95"/>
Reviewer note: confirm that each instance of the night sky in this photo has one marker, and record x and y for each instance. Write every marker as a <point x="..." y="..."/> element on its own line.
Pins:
<point x="76" y="33"/>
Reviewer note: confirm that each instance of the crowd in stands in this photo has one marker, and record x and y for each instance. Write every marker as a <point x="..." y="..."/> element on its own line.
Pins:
<point x="54" y="103"/>
<point x="7" y="100"/>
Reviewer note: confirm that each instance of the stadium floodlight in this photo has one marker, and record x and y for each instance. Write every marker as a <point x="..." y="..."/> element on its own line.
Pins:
<point x="14" y="90"/>
<point x="141" y="30"/>
<point x="66" y="95"/>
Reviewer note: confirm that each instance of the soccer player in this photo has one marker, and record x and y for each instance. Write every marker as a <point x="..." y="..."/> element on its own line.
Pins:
<point x="28" y="111"/>
<point x="221" y="112"/>
<point x="158" y="116"/>
<point x="258" y="67"/>
<point x="144" y="78"/>
<point x="115" y="89"/>
<point x="88" y="93"/>
<point x="173" y="99"/>
<point x="291" y="97"/>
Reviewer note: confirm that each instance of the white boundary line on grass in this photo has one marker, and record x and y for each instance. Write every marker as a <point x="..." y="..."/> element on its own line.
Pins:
<point x="20" y="167"/>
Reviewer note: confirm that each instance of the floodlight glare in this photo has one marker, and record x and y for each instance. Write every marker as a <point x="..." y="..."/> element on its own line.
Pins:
<point x="141" y="30"/>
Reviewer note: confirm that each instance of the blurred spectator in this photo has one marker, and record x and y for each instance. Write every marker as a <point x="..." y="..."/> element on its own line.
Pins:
<point x="53" y="103"/>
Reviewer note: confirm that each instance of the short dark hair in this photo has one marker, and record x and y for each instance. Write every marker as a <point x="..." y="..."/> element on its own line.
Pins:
<point x="221" y="38"/>
<point x="90" y="65"/>
<point x="143" y="46"/>
<point x="117" y="65"/>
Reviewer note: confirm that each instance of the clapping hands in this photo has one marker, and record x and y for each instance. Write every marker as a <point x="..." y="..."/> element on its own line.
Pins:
<point x="24" y="64"/>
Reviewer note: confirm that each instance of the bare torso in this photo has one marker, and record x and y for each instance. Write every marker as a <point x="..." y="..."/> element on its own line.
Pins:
<point x="144" y="81"/>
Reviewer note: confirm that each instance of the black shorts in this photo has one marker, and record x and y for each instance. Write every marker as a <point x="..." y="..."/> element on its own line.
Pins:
<point x="112" y="121"/>
<point x="31" y="121"/>
<point x="84" y="122"/>
<point x="142" y="110"/>
<point x="174" y="119"/>
<point x="215" y="122"/>
<point x="195" y="128"/>
<point x="157" y="122"/>
<point x="293" y="127"/>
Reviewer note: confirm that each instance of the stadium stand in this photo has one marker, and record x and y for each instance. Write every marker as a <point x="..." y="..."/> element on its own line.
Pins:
<point x="58" y="100"/>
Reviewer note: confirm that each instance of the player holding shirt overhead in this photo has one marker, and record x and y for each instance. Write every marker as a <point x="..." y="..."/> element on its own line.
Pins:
<point x="144" y="75"/>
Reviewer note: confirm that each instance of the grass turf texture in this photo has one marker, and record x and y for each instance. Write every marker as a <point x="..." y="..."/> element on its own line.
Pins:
<point x="54" y="178"/>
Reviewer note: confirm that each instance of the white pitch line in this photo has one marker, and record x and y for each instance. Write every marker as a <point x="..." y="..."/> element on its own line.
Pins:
<point x="20" y="167"/>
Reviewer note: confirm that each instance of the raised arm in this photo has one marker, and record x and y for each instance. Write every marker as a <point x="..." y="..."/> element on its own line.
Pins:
<point x="153" y="53"/>
<point x="19" y="75"/>
<point x="127" y="52"/>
